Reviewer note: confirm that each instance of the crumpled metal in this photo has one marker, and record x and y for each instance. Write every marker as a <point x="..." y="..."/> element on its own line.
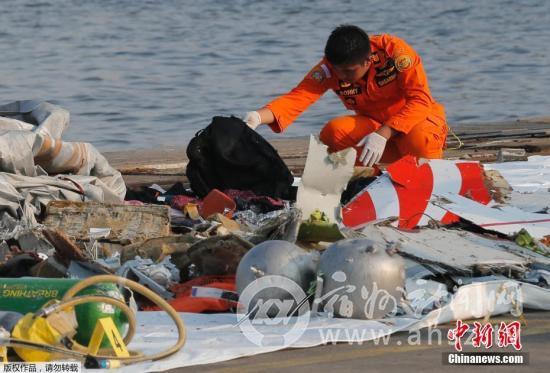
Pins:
<point x="279" y="224"/>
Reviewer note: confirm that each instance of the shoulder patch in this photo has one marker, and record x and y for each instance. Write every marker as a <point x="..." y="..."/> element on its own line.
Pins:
<point x="320" y="73"/>
<point x="326" y="70"/>
<point x="317" y="75"/>
<point x="403" y="62"/>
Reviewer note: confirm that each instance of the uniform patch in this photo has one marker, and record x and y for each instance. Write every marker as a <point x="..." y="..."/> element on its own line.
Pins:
<point x="375" y="58"/>
<point x="343" y="84"/>
<point x="386" y="73"/>
<point x="351" y="101"/>
<point x="382" y="82"/>
<point x="317" y="76"/>
<point x="352" y="91"/>
<point x="326" y="70"/>
<point x="387" y="70"/>
<point x="403" y="62"/>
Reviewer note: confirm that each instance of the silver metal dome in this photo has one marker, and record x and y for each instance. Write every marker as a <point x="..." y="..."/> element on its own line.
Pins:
<point x="361" y="279"/>
<point x="280" y="258"/>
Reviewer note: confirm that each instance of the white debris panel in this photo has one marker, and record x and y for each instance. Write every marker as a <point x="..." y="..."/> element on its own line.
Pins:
<point x="504" y="219"/>
<point x="456" y="250"/>
<point x="324" y="179"/>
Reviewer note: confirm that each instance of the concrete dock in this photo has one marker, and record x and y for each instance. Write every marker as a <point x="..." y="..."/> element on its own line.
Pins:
<point x="481" y="142"/>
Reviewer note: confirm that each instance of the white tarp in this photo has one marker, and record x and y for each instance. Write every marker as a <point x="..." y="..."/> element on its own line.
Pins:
<point x="36" y="116"/>
<point x="530" y="181"/>
<point x="215" y="338"/>
<point x="31" y="147"/>
<point x="525" y="177"/>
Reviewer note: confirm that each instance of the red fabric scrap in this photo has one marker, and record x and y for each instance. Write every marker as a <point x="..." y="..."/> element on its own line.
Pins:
<point x="184" y="302"/>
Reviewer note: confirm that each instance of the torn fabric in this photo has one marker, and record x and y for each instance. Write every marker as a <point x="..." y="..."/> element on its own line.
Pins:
<point x="214" y="338"/>
<point x="31" y="147"/>
<point x="26" y="195"/>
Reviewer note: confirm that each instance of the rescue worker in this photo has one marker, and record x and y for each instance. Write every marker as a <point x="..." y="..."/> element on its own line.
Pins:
<point x="382" y="79"/>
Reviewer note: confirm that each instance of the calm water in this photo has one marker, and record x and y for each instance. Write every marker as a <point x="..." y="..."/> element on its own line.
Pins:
<point x="141" y="74"/>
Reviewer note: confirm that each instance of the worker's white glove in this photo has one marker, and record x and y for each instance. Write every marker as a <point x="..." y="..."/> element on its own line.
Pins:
<point x="252" y="119"/>
<point x="373" y="147"/>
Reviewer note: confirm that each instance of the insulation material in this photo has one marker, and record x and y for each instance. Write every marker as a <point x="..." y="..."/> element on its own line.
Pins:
<point x="26" y="196"/>
<point x="31" y="147"/>
<point x="126" y="222"/>
<point x="324" y="179"/>
<point x="407" y="187"/>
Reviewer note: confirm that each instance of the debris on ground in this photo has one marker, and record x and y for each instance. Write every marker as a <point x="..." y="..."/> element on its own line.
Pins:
<point x="426" y="232"/>
<point x="504" y="219"/>
<point x="158" y="248"/>
<point x="407" y="187"/>
<point x="319" y="228"/>
<point x="214" y="256"/>
<point x="127" y="223"/>
<point x="471" y="254"/>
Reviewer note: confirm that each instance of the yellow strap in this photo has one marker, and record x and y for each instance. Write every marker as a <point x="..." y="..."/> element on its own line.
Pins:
<point x="460" y="143"/>
<point x="4" y="354"/>
<point x="106" y="327"/>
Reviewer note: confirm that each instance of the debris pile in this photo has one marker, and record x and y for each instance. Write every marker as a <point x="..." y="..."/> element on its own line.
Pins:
<point x="419" y="231"/>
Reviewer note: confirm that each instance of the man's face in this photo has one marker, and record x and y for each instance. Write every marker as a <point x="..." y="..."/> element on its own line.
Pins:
<point x="351" y="73"/>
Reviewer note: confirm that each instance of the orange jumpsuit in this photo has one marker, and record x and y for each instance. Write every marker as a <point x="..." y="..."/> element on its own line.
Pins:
<point x="394" y="92"/>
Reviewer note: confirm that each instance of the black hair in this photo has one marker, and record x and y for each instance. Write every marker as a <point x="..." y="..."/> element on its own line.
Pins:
<point x="347" y="44"/>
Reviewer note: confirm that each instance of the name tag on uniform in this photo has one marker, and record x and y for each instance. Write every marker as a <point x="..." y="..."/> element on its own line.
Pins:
<point x="385" y="74"/>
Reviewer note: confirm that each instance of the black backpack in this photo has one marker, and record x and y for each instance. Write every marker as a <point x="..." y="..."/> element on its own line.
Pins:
<point x="230" y="155"/>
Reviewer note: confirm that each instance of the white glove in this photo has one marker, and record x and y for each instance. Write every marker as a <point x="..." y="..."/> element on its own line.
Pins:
<point x="252" y="119"/>
<point x="373" y="148"/>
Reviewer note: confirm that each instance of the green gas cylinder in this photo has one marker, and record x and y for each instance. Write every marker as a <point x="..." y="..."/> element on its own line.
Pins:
<point x="29" y="294"/>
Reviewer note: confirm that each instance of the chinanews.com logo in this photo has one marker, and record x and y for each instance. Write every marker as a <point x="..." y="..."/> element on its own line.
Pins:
<point x="485" y="337"/>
